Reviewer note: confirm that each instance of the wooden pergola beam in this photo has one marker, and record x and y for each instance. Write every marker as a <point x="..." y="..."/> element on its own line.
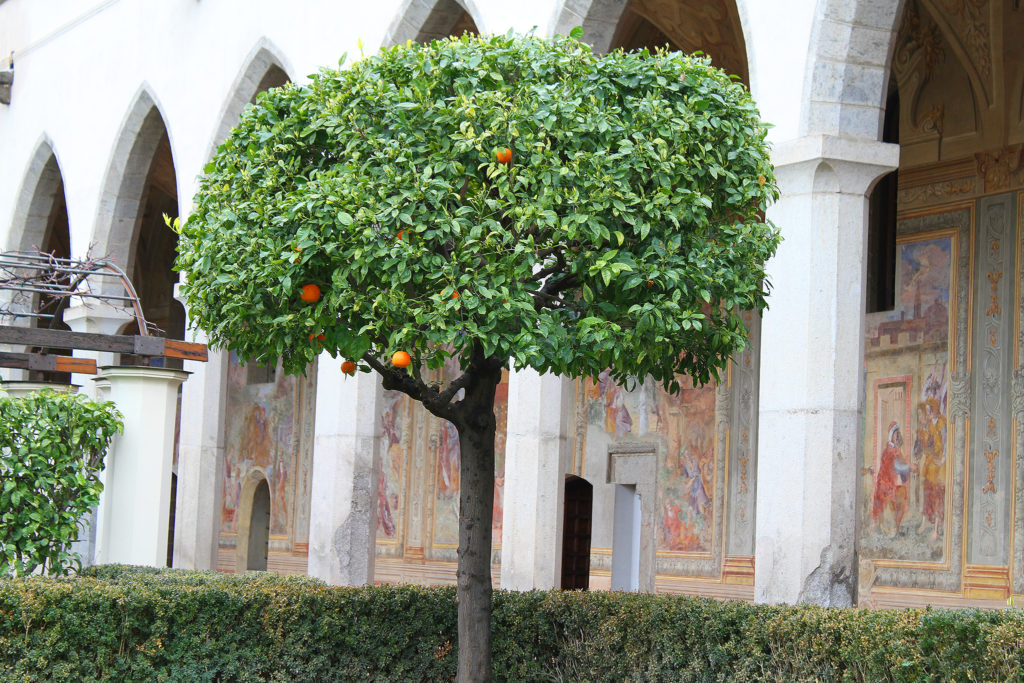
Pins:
<point x="115" y="343"/>
<point x="47" y="363"/>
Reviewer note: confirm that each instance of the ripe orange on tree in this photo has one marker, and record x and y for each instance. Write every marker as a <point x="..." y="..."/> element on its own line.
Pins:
<point x="504" y="155"/>
<point x="401" y="359"/>
<point x="310" y="293"/>
<point x="348" y="367"/>
<point x="314" y="335"/>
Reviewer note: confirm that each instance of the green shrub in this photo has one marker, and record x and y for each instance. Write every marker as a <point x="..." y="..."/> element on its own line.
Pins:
<point x="51" y="453"/>
<point x="132" y="623"/>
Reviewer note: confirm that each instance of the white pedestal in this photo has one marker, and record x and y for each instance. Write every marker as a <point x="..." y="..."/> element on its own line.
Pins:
<point x="136" y="499"/>
<point x="95" y="318"/>
<point x="22" y="388"/>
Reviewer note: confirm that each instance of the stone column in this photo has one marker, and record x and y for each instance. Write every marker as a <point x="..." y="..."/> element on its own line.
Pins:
<point x="137" y="493"/>
<point x="95" y="318"/>
<point x="201" y="450"/>
<point x="346" y="472"/>
<point x="201" y="462"/>
<point x="812" y="370"/>
<point x="536" y="447"/>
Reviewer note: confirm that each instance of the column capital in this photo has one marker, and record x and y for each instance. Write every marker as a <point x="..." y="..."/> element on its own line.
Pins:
<point x="100" y="318"/>
<point x="856" y="162"/>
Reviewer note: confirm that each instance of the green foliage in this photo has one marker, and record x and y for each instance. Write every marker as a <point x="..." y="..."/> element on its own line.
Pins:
<point x="627" y="232"/>
<point x="52" y="447"/>
<point x="123" y="623"/>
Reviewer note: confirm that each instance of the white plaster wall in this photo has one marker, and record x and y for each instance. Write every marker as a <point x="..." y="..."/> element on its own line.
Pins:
<point x="79" y="67"/>
<point x="778" y="35"/>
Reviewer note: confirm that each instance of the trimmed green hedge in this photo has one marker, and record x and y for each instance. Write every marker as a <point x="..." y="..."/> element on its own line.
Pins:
<point x="116" y="623"/>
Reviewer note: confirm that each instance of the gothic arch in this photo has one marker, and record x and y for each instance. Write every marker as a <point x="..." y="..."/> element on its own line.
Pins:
<point x="715" y="27"/>
<point x="121" y="204"/>
<point x="39" y="191"/>
<point x="263" y="68"/>
<point x="425" y="20"/>
<point x="846" y="81"/>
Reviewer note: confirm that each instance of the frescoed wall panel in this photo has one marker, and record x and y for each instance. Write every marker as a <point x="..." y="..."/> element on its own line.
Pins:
<point x="705" y="442"/>
<point x="270" y="430"/>
<point x="418" y="494"/>
<point x="916" y="411"/>
<point x="906" y="443"/>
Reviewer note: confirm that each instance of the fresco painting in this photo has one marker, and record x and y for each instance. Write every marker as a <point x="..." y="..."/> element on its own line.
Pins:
<point x="683" y="426"/>
<point x="905" y="471"/>
<point x="264" y="427"/>
<point x="396" y="424"/>
<point x="446" y="455"/>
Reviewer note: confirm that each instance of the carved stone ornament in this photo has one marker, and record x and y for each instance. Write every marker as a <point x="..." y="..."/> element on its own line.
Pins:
<point x="996" y="167"/>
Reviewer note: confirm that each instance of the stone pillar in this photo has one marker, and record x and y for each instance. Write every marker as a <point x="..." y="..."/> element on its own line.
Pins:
<point x="201" y="462"/>
<point x="201" y="451"/>
<point x="346" y="472"/>
<point x="535" y="454"/>
<point x="136" y="497"/>
<point x="812" y="358"/>
<point x="95" y="318"/>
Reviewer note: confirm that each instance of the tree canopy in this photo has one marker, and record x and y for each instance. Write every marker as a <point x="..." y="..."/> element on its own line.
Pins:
<point x="626" y="231"/>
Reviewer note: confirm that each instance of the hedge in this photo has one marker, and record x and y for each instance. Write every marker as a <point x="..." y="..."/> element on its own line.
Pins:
<point x="116" y="623"/>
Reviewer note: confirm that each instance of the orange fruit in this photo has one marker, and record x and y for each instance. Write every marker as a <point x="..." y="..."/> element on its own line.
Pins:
<point x="401" y="234"/>
<point x="314" y="335"/>
<point x="504" y="155"/>
<point x="348" y="367"/>
<point x="401" y="359"/>
<point x="310" y="293"/>
<point x="650" y="283"/>
<point x="455" y="295"/>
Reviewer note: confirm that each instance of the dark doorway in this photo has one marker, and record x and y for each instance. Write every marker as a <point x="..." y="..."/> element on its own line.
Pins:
<point x="259" y="529"/>
<point x="170" y="520"/>
<point x="579" y="510"/>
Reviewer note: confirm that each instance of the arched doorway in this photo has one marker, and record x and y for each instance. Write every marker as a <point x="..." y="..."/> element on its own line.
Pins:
<point x="253" y="540"/>
<point x="576" y="530"/>
<point x="259" y="529"/>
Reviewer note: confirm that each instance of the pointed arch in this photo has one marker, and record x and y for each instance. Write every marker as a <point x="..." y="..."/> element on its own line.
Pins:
<point x="712" y="26"/>
<point x="425" y="20"/>
<point x="41" y="191"/>
<point x="121" y="204"/>
<point x="263" y="68"/>
<point x="846" y="84"/>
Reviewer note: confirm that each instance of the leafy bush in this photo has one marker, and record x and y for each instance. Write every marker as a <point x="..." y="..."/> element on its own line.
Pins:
<point x="124" y="623"/>
<point x="51" y="453"/>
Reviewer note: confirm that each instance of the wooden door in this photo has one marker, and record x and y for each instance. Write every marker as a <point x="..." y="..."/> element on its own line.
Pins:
<point x="579" y="506"/>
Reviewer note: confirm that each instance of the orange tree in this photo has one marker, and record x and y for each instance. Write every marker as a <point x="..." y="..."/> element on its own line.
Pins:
<point x="488" y="200"/>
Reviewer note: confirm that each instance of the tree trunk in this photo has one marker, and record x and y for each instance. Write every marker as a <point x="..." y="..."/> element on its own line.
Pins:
<point x="476" y="506"/>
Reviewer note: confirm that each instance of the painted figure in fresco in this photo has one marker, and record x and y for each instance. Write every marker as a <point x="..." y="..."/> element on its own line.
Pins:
<point x="697" y="497"/>
<point x="891" y="481"/>
<point x="255" y="439"/>
<point x="280" y="493"/>
<point x="449" y="458"/>
<point x="672" y="525"/>
<point x="617" y="418"/>
<point x="385" y="521"/>
<point x="930" y="448"/>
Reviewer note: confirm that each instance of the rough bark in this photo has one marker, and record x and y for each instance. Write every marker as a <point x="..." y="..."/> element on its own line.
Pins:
<point x="476" y="504"/>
